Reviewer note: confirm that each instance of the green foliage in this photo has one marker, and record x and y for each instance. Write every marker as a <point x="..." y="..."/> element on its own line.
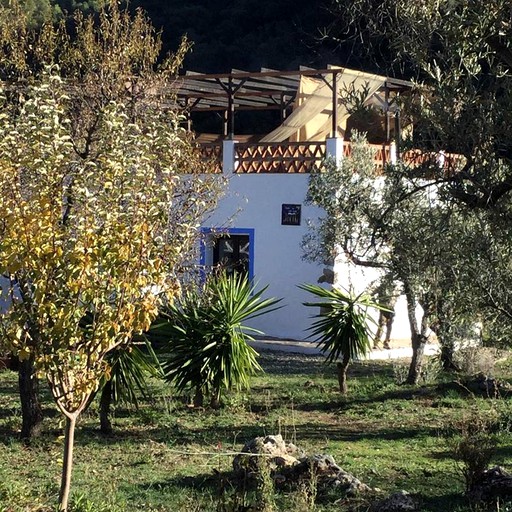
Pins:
<point x="459" y="54"/>
<point x="474" y="445"/>
<point x="343" y="322"/>
<point x="399" y="222"/>
<point x="130" y="367"/>
<point x="389" y="436"/>
<point x="99" y="206"/>
<point x="39" y="12"/>
<point x="207" y="336"/>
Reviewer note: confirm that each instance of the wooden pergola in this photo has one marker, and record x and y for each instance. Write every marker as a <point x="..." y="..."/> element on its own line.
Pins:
<point x="270" y="90"/>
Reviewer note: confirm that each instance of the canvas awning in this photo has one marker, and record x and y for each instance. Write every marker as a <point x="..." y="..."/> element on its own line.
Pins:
<point x="312" y="115"/>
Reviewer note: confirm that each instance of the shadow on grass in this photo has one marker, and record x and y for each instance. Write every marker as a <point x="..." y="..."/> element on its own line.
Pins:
<point x="323" y="431"/>
<point x="504" y="453"/>
<point x="219" y="483"/>
<point x="176" y="435"/>
<point x="214" y="481"/>
<point x="449" y="502"/>
<point x="227" y="436"/>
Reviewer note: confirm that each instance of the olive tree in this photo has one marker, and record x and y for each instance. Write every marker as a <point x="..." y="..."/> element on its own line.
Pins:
<point x="392" y="222"/>
<point x="459" y="55"/>
<point x="101" y="193"/>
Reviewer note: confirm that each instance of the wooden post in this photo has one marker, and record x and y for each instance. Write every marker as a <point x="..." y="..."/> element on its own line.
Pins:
<point x="231" y="110"/>
<point x="334" y="129"/>
<point x="397" y="132"/>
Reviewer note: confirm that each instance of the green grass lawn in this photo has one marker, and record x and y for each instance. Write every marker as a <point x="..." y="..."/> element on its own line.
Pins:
<point x="168" y="456"/>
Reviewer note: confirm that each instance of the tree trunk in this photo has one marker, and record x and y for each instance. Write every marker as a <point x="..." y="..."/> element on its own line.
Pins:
<point x="215" y="399"/>
<point x="67" y="463"/>
<point x="446" y="339"/>
<point x="215" y="402"/>
<point x="342" y="374"/>
<point x="380" y="329"/>
<point x="31" y="412"/>
<point x="447" y="351"/>
<point x="105" y="403"/>
<point x="199" y="397"/>
<point x="418" y="334"/>
<point x="418" y="348"/>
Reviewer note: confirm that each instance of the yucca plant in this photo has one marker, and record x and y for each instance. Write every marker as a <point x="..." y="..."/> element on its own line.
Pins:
<point x="129" y="368"/>
<point x="343" y="326"/>
<point x="207" y="339"/>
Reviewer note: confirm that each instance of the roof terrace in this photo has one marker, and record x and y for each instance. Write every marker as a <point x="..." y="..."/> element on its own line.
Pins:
<point x="312" y="115"/>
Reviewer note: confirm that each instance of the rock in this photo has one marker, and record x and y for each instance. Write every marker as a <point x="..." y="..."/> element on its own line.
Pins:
<point x="278" y="454"/>
<point x="492" y="484"/>
<point x="289" y="465"/>
<point x="399" y="502"/>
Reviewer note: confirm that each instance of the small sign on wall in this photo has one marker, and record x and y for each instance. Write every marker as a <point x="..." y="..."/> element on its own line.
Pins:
<point x="290" y="214"/>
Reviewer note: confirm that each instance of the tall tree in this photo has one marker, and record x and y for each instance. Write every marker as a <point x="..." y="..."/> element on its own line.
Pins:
<point x="395" y="223"/>
<point x="101" y="192"/>
<point x="459" y="52"/>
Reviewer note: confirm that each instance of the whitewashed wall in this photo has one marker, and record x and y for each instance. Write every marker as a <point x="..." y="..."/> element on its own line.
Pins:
<point x="358" y="278"/>
<point x="253" y="201"/>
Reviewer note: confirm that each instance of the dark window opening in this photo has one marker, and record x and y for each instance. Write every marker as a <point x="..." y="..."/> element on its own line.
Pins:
<point x="231" y="252"/>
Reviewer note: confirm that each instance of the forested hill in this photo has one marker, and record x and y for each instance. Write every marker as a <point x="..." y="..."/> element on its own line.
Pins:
<point x="245" y="34"/>
<point x="227" y="34"/>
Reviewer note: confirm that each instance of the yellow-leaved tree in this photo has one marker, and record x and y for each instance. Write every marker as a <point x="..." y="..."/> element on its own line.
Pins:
<point x="101" y="193"/>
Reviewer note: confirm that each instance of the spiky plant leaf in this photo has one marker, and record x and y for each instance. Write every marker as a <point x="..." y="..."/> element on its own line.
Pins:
<point x="342" y="326"/>
<point x="207" y="336"/>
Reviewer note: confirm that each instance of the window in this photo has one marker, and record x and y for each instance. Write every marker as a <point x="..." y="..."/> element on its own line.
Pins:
<point x="232" y="249"/>
<point x="231" y="252"/>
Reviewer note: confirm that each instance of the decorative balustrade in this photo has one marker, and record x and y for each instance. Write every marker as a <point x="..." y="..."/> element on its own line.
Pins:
<point x="289" y="157"/>
<point x="211" y="154"/>
<point x="382" y="154"/>
<point x="303" y="157"/>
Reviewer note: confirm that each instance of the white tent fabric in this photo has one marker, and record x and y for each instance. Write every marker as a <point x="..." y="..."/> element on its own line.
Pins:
<point x="311" y="118"/>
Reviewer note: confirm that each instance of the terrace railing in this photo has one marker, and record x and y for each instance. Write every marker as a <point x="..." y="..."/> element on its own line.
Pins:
<point x="289" y="157"/>
<point x="211" y="156"/>
<point x="303" y="157"/>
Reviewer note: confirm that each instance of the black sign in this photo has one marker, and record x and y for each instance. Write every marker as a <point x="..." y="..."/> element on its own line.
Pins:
<point x="290" y="214"/>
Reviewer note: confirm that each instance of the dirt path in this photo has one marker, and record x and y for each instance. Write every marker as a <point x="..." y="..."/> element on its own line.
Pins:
<point x="398" y="350"/>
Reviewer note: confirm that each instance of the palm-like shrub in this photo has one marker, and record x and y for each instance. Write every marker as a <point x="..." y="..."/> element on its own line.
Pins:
<point x="206" y="337"/>
<point x="342" y="326"/>
<point x="129" y="367"/>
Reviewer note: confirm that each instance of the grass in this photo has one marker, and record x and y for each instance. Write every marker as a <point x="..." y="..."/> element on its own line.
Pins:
<point x="168" y="456"/>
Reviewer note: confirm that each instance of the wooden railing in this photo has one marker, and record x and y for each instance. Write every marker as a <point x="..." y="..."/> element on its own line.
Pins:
<point x="382" y="154"/>
<point x="288" y="157"/>
<point x="211" y="155"/>
<point x="303" y="157"/>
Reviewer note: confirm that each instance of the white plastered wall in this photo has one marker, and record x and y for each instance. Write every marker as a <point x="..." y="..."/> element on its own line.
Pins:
<point x="350" y="276"/>
<point x="254" y="201"/>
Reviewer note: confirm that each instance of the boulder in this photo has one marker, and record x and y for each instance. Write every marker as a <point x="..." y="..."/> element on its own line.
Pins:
<point x="327" y="472"/>
<point x="398" y="502"/>
<point x="290" y="465"/>
<point x="493" y="484"/>
<point x="277" y="453"/>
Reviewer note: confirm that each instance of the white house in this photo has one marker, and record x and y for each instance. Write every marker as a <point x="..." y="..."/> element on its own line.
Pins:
<point x="260" y="222"/>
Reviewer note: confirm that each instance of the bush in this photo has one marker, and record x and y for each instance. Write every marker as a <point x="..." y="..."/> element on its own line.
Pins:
<point x="473" y="360"/>
<point x="206" y="337"/>
<point x="474" y="445"/>
<point x="429" y="374"/>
